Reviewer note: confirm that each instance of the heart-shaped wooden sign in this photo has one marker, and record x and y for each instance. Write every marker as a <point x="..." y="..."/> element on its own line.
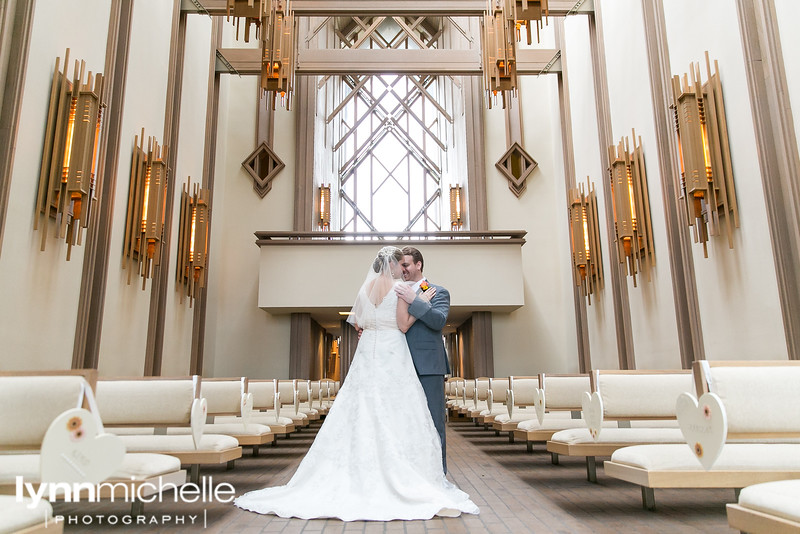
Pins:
<point x="72" y="450"/>
<point x="592" y="406"/>
<point x="198" y="420"/>
<point x="704" y="425"/>
<point x="538" y="404"/>
<point x="247" y="408"/>
<point x="510" y="402"/>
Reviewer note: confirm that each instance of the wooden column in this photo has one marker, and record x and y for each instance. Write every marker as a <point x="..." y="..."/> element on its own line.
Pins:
<point x="209" y="165"/>
<point x="778" y="157"/>
<point x="161" y="273"/>
<point x="16" y="23"/>
<point x="300" y="346"/>
<point x="570" y="182"/>
<point x="347" y="348"/>
<point x="89" y="327"/>
<point x="681" y="261"/>
<point x="482" y="352"/>
<point x="619" y="285"/>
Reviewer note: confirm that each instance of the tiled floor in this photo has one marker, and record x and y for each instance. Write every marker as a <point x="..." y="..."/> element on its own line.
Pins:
<point x="517" y="491"/>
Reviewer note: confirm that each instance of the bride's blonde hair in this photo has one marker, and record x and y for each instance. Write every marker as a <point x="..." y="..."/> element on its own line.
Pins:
<point x="386" y="254"/>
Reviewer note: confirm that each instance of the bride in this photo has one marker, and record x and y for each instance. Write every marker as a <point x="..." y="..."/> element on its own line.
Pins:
<point x="377" y="456"/>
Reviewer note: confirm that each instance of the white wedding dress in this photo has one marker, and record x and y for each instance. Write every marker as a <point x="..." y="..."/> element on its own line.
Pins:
<point x="377" y="456"/>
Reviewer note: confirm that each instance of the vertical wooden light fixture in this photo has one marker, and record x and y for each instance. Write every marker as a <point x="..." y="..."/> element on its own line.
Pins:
<point x="499" y="52"/>
<point x="69" y="158"/>
<point x="325" y="207"/>
<point x="631" y="204"/>
<point x="276" y="30"/>
<point x="252" y="11"/>
<point x="585" y="239"/>
<point x="456" y="203"/>
<point x="147" y="201"/>
<point x="192" y="240"/>
<point x="527" y="13"/>
<point x="278" y="52"/>
<point x="706" y="186"/>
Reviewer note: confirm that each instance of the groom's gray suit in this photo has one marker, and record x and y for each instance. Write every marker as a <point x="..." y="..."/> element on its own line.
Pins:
<point x="428" y="353"/>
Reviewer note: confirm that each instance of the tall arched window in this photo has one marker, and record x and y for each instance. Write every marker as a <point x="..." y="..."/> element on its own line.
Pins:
<point x="389" y="137"/>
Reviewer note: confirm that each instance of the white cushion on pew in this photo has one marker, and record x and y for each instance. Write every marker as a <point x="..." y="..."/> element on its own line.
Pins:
<point x="778" y="498"/>
<point x="140" y="466"/>
<point x="654" y="423"/>
<point x="734" y="457"/>
<point x="209" y="442"/>
<point x="518" y="417"/>
<point x="259" y="418"/>
<point x="15" y="516"/>
<point x="225" y="429"/>
<point x="621" y="435"/>
<point x="496" y="410"/>
<point x="555" y="423"/>
<point x="131" y="430"/>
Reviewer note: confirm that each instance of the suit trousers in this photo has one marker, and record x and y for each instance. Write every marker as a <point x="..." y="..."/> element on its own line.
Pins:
<point x="433" y="385"/>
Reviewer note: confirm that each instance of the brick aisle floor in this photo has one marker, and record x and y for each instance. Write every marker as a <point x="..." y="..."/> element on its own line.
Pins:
<point x="517" y="491"/>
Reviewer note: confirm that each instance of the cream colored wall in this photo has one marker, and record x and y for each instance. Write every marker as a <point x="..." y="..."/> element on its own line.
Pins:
<point x="788" y="12"/>
<point x="737" y="289"/>
<point x="540" y="336"/>
<point x="40" y="290"/>
<point x="177" y="354"/>
<point x="600" y="314"/>
<point x="241" y="338"/>
<point x="653" y="322"/>
<point x="127" y="307"/>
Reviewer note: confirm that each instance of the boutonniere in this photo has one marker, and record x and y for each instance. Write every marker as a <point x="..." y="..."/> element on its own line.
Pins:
<point x="424" y="285"/>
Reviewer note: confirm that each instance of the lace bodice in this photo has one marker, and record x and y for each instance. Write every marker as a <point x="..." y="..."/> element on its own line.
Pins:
<point x="385" y="314"/>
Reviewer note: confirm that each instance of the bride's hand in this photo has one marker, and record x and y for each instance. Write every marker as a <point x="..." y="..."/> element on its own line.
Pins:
<point x="428" y="295"/>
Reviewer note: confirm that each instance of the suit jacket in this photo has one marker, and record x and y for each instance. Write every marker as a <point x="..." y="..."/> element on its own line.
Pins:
<point x="425" y="335"/>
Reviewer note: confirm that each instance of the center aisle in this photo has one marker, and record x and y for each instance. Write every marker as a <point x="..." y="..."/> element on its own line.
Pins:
<point x="517" y="492"/>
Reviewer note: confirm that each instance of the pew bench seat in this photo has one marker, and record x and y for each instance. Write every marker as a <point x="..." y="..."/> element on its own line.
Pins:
<point x="281" y="426"/>
<point x="212" y="449"/>
<point x="579" y="442"/>
<point x="504" y="423"/>
<point x="137" y="469"/>
<point x="768" y="508"/>
<point x="17" y="518"/>
<point x="250" y="435"/>
<point x="675" y="466"/>
<point x="531" y="431"/>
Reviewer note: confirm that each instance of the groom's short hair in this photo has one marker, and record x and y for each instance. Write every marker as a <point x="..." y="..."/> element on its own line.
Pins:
<point x="416" y="255"/>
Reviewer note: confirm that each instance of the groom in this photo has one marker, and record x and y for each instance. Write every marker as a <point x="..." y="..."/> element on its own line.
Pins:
<point x="425" y="336"/>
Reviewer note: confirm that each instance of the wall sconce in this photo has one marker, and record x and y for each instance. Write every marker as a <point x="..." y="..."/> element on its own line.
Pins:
<point x="275" y="27"/>
<point x="706" y="187"/>
<point x="585" y="239"/>
<point x="147" y="202"/>
<point x="325" y="207"/>
<point x="69" y="158"/>
<point x="499" y="51"/>
<point x="527" y="13"/>
<point x="193" y="240"/>
<point x="456" y="221"/>
<point x="631" y="205"/>
<point x="278" y="52"/>
<point x="251" y="11"/>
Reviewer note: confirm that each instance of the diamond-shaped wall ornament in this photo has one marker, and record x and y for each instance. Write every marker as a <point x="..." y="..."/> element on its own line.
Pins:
<point x="516" y="165"/>
<point x="263" y="166"/>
